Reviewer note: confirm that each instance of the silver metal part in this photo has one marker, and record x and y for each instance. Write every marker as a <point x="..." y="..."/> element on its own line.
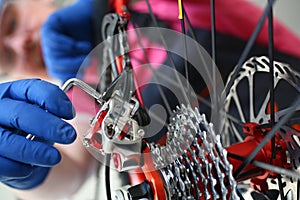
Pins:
<point x="249" y="95"/>
<point x="122" y="193"/>
<point x="247" y="75"/>
<point x="120" y="133"/>
<point x="84" y="86"/>
<point x="193" y="161"/>
<point x="282" y="73"/>
<point x="291" y="137"/>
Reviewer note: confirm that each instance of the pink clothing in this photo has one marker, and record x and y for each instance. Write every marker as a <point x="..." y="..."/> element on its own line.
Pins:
<point x="233" y="17"/>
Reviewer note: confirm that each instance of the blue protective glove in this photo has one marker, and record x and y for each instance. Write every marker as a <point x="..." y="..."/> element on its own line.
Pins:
<point x="66" y="39"/>
<point x="36" y="107"/>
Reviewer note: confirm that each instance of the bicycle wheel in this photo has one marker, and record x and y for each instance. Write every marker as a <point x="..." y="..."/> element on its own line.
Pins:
<point x="191" y="162"/>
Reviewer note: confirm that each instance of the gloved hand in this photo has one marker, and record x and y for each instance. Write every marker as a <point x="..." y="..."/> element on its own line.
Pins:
<point x="31" y="107"/>
<point x="66" y="39"/>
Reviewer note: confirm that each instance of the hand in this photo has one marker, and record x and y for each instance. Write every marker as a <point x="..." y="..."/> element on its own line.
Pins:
<point x="31" y="107"/>
<point x="67" y="39"/>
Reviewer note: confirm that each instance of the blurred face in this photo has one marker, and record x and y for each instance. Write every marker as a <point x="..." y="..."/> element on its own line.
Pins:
<point x="20" y="23"/>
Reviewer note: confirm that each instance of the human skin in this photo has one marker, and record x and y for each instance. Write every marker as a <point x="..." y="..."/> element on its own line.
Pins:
<point x="20" y="36"/>
<point x="20" y="50"/>
<point x="21" y="57"/>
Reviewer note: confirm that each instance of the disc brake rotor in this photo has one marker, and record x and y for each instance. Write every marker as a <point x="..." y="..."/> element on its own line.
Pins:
<point x="249" y="96"/>
<point x="248" y="100"/>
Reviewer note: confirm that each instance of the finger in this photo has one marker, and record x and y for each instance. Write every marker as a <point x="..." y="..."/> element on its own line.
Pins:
<point x="46" y="95"/>
<point x="63" y="25"/>
<point x="34" y="120"/>
<point x="18" y="148"/>
<point x="57" y="44"/>
<point x="13" y="169"/>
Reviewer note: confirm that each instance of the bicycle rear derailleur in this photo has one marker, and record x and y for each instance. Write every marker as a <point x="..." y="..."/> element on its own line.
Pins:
<point x="192" y="164"/>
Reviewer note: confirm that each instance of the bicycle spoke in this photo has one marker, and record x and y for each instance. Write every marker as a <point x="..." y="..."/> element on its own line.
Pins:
<point x="250" y="43"/>
<point x="155" y="74"/>
<point x="183" y="31"/>
<point x="189" y="137"/>
<point x="271" y="63"/>
<point x="167" y="51"/>
<point x="268" y="137"/>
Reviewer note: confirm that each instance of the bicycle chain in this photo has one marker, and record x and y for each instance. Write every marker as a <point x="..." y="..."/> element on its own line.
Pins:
<point x="193" y="162"/>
